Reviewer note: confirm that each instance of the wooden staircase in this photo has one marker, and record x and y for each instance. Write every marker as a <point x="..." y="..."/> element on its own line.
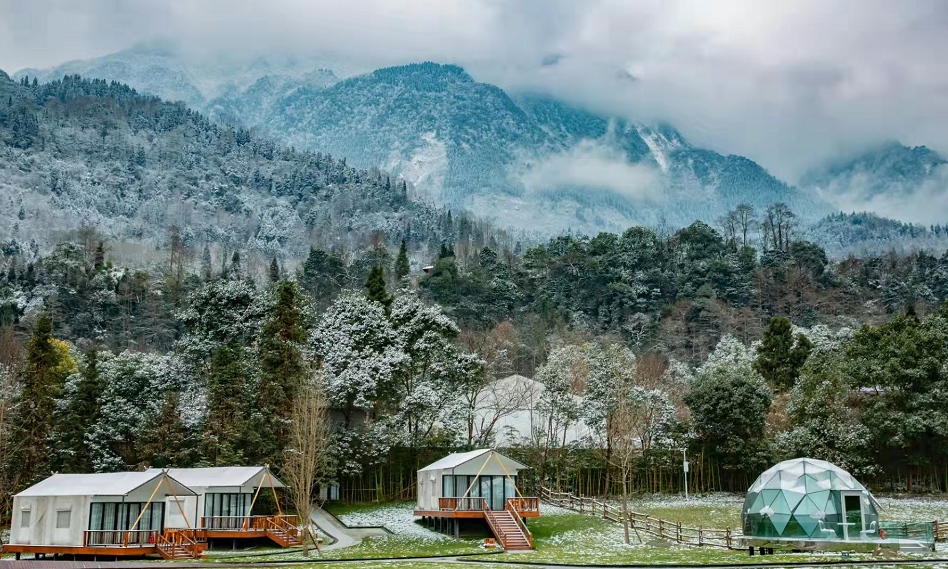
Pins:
<point x="509" y="529"/>
<point x="175" y="544"/>
<point x="283" y="531"/>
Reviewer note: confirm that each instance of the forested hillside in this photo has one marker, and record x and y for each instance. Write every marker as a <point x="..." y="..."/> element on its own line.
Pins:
<point x="86" y="153"/>
<point x="150" y="316"/>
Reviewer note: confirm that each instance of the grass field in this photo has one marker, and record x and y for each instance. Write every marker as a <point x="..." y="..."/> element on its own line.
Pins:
<point x="566" y="537"/>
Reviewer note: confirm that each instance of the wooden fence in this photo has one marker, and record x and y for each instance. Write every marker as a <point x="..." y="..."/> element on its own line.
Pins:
<point x="667" y="529"/>
<point x="639" y="522"/>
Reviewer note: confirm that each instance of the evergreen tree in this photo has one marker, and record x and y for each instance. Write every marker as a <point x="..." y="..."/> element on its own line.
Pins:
<point x="779" y="358"/>
<point x="99" y="260"/>
<point x="75" y="415"/>
<point x="166" y="440"/>
<point x="225" y="423"/>
<point x="402" y="267"/>
<point x="235" y="266"/>
<point x="206" y="270"/>
<point x="376" y="285"/>
<point x="282" y="368"/>
<point x="274" y="271"/>
<point x="31" y="424"/>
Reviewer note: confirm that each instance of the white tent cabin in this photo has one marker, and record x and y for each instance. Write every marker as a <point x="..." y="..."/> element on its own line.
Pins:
<point x="480" y="484"/>
<point x="120" y="513"/>
<point x="224" y="499"/>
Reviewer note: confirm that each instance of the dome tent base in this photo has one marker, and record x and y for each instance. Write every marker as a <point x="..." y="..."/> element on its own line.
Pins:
<point x="861" y="546"/>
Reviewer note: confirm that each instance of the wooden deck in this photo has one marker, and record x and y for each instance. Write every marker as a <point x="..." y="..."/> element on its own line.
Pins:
<point x="173" y="543"/>
<point x="475" y="508"/>
<point x="507" y="525"/>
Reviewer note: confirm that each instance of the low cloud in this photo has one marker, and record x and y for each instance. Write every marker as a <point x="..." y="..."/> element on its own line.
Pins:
<point x="926" y="204"/>
<point x="596" y="166"/>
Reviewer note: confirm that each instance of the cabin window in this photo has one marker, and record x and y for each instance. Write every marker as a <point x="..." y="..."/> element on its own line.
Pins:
<point x="25" y="519"/>
<point x="108" y="516"/>
<point x="227" y="505"/>
<point x="63" y="518"/>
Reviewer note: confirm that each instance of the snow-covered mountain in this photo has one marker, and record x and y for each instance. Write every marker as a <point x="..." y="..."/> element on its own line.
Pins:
<point x="523" y="160"/>
<point x="163" y="69"/>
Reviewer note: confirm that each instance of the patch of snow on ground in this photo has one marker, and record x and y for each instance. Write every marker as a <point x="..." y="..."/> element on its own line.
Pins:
<point x="397" y="518"/>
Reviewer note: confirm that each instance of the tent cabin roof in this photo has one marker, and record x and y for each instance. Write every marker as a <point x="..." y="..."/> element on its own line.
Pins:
<point x="100" y="484"/>
<point x="460" y="458"/>
<point x="222" y="476"/>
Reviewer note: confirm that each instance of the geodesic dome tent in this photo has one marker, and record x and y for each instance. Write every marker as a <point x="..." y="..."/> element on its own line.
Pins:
<point x="809" y="499"/>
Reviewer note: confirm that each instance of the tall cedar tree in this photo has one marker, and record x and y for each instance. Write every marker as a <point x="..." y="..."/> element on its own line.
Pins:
<point x="71" y="453"/>
<point x="376" y="285"/>
<point x="402" y="267"/>
<point x="224" y="428"/>
<point x="167" y="441"/>
<point x="32" y="420"/>
<point x="780" y="358"/>
<point x="282" y="369"/>
<point x="274" y="271"/>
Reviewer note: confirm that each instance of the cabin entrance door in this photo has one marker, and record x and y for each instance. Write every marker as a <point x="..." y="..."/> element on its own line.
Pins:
<point x="854" y="519"/>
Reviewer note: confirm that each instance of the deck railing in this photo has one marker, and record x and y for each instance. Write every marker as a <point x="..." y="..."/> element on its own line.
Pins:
<point x="462" y="504"/>
<point x="118" y="538"/>
<point x="523" y="504"/>
<point x="513" y="506"/>
<point x="235" y="523"/>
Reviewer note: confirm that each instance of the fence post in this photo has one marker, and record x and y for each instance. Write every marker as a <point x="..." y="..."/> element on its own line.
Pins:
<point x="727" y="537"/>
<point x="700" y="537"/>
<point x="679" y="531"/>
<point x="661" y="528"/>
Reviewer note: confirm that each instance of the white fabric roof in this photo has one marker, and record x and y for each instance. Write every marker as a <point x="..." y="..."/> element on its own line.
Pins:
<point x="103" y="484"/>
<point x="219" y="476"/>
<point x="457" y="459"/>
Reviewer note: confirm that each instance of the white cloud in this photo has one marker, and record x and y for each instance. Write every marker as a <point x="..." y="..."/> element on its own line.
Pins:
<point x="787" y="84"/>
<point x="593" y="165"/>
<point x="926" y="204"/>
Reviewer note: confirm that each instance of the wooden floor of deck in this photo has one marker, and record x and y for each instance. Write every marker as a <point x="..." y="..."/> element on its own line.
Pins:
<point x="464" y="514"/>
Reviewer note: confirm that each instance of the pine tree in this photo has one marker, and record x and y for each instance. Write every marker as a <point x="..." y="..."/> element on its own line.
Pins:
<point x="28" y="459"/>
<point x="99" y="260"/>
<point x="402" y="267"/>
<point x="206" y="270"/>
<point x="166" y="441"/>
<point x="376" y="285"/>
<point x="779" y="358"/>
<point x="225" y="423"/>
<point x="235" y="265"/>
<point x="282" y="369"/>
<point x="274" y="271"/>
<point x="75" y="417"/>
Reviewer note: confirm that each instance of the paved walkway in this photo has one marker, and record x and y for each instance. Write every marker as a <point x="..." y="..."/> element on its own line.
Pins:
<point x="344" y="535"/>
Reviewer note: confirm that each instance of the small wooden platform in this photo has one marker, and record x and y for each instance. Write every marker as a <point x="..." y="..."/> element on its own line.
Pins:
<point x="507" y="525"/>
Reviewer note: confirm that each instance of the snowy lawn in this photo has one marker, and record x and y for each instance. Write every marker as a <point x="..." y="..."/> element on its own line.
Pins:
<point x="562" y="536"/>
<point x="408" y="538"/>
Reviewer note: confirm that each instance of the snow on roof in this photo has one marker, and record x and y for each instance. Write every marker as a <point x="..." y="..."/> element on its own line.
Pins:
<point x="459" y="458"/>
<point x="102" y="484"/>
<point x="229" y="476"/>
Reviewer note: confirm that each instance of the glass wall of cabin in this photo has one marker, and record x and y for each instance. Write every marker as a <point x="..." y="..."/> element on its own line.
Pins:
<point x="494" y="489"/>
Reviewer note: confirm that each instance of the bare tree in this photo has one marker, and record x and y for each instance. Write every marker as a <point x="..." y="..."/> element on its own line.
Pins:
<point x="746" y="220"/>
<point x="625" y="450"/>
<point x="777" y="226"/>
<point x="308" y="459"/>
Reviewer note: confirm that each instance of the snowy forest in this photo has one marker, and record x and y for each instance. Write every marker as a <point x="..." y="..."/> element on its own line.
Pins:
<point x="735" y="339"/>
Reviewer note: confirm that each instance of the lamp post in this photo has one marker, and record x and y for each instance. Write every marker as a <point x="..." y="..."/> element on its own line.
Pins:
<point x="684" y="465"/>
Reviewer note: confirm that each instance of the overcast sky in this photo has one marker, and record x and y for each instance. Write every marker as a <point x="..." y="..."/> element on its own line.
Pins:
<point x="787" y="83"/>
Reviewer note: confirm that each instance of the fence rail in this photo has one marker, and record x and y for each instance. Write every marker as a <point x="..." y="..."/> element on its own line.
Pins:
<point x="662" y="528"/>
